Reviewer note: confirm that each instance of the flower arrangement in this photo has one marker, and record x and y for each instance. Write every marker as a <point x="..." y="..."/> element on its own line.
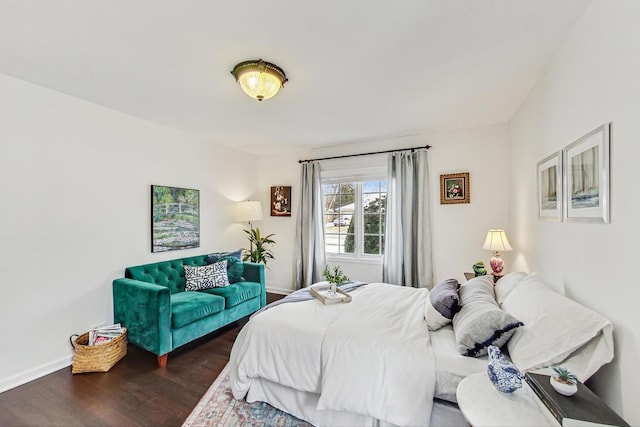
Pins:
<point x="335" y="275"/>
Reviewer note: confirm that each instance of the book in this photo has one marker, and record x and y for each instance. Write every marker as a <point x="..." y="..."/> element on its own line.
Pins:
<point x="584" y="408"/>
<point x="323" y="293"/>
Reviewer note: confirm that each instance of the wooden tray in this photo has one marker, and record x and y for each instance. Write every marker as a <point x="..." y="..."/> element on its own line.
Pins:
<point x="321" y="292"/>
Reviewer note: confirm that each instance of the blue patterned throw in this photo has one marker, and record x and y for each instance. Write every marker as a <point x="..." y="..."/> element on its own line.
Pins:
<point x="502" y="372"/>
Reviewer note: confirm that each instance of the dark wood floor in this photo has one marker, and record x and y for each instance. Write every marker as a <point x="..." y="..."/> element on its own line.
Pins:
<point x="135" y="392"/>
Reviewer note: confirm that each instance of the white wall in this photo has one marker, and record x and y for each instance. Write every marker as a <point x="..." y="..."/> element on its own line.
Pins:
<point x="458" y="230"/>
<point x="75" y="211"/>
<point x="592" y="80"/>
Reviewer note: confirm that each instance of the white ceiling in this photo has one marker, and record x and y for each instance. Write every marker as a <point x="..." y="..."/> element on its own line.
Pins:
<point x="358" y="69"/>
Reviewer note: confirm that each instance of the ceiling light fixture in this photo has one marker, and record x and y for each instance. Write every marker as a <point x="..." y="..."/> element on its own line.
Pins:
<point x="259" y="79"/>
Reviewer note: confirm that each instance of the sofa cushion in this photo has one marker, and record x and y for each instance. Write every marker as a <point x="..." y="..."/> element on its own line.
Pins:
<point x="198" y="278"/>
<point x="220" y="278"/>
<point x="236" y="293"/>
<point x="235" y="268"/>
<point x="216" y="256"/>
<point x="188" y="306"/>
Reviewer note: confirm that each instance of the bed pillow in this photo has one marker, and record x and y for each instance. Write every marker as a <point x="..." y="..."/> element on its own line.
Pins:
<point x="480" y="322"/>
<point x="557" y="330"/>
<point x="198" y="278"/>
<point x="442" y="303"/>
<point x="506" y="284"/>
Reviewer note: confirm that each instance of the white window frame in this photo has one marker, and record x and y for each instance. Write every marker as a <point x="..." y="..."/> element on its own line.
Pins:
<point x="356" y="177"/>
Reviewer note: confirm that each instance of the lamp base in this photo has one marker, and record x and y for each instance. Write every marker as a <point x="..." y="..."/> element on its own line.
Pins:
<point x="497" y="265"/>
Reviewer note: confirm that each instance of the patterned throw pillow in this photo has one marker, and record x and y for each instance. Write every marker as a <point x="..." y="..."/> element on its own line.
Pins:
<point x="220" y="278"/>
<point x="198" y="278"/>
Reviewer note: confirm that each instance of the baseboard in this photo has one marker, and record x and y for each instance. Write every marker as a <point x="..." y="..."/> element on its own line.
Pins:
<point x="35" y="373"/>
<point x="279" y="291"/>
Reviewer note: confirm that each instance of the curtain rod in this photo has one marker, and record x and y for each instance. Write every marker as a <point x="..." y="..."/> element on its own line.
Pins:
<point x="365" y="154"/>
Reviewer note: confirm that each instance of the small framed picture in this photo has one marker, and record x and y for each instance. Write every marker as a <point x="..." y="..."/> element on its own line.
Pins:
<point x="586" y="177"/>
<point x="280" y="201"/>
<point x="549" y="177"/>
<point x="455" y="188"/>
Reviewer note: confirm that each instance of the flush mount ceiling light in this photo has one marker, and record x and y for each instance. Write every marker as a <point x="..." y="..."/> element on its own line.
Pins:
<point x="259" y="79"/>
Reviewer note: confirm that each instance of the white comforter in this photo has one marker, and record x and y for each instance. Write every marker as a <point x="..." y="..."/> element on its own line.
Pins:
<point x="372" y="356"/>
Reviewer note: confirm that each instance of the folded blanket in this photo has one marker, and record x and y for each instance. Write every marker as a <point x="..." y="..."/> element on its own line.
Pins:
<point x="304" y="294"/>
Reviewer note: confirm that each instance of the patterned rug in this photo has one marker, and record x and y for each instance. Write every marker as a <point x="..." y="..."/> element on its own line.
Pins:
<point x="218" y="408"/>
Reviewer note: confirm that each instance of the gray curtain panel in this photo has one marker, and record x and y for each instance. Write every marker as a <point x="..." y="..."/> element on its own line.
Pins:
<point x="407" y="247"/>
<point x="310" y="255"/>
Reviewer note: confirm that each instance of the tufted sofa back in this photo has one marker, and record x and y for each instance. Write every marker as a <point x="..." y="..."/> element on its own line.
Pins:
<point x="169" y="274"/>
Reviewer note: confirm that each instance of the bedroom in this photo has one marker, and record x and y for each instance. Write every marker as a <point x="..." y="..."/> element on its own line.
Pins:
<point x="59" y="150"/>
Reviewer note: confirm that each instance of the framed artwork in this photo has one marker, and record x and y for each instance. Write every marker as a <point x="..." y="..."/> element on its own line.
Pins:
<point x="455" y="188"/>
<point x="281" y="201"/>
<point x="175" y="218"/>
<point x="549" y="177"/>
<point x="586" y="177"/>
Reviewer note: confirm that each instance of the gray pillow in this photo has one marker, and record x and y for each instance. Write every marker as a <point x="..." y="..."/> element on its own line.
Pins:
<point x="480" y="322"/>
<point x="442" y="303"/>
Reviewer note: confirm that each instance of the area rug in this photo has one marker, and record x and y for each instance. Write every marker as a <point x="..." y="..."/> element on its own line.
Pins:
<point x="218" y="408"/>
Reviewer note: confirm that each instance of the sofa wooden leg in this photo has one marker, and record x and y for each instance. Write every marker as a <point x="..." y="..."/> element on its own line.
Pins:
<point x="162" y="360"/>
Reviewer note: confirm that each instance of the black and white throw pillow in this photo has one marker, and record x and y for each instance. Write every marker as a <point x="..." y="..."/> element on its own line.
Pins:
<point x="198" y="278"/>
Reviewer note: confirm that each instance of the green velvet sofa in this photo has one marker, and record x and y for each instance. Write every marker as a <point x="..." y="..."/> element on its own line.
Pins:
<point x="160" y="315"/>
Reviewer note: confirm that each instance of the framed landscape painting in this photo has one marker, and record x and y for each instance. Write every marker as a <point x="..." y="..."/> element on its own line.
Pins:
<point x="549" y="172"/>
<point x="586" y="177"/>
<point x="175" y="218"/>
<point x="455" y="188"/>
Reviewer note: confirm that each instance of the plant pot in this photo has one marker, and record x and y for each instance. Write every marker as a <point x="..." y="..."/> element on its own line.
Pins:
<point x="563" y="388"/>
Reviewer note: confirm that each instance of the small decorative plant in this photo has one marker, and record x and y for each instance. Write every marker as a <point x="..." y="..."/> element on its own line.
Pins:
<point x="335" y="275"/>
<point x="564" y="375"/>
<point x="564" y="382"/>
<point x="259" y="251"/>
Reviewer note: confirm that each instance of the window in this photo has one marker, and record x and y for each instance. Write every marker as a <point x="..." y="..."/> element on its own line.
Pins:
<point x="354" y="215"/>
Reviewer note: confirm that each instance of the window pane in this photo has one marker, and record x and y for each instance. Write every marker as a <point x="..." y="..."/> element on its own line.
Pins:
<point x="372" y="245"/>
<point x="349" y="244"/>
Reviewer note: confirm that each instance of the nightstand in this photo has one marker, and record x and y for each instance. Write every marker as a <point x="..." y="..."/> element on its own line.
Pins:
<point x="483" y="405"/>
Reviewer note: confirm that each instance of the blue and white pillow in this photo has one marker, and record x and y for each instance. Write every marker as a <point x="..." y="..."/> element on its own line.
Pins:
<point x="198" y="278"/>
<point x="220" y="277"/>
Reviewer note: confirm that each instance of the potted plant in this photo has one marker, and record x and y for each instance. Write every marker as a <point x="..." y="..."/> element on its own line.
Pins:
<point x="564" y="382"/>
<point x="335" y="277"/>
<point x="258" y="252"/>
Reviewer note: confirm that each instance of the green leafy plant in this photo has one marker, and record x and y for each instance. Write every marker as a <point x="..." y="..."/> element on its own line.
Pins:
<point x="564" y="375"/>
<point x="259" y="251"/>
<point x="335" y="275"/>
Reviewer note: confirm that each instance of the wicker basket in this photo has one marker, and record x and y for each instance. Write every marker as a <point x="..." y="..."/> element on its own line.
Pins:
<point x="97" y="358"/>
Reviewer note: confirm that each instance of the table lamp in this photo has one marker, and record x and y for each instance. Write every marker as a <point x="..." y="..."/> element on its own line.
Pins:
<point x="497" y="242"/>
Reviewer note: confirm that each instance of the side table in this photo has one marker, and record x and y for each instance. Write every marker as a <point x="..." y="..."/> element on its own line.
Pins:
<point x="483" y="405"/>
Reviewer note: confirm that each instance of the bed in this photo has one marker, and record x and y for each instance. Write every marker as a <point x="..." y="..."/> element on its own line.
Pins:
<point x="382" y="359"/>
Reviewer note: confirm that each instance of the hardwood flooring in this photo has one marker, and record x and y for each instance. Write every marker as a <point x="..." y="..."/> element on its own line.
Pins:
<point x="135" y="392"/>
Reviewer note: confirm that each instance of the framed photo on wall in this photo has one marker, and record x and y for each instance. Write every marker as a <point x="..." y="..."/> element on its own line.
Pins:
<point x="281" y="201"/>
<point x="549" y="177"/>
<point x="586" y="177"/>
<point x="175" y="218"/>
<point x="455" y="188"/>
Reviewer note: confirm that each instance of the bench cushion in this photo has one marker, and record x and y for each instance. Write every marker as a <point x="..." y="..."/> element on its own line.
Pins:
<point x="236" y="293"/>
<point x="188" y="306"/>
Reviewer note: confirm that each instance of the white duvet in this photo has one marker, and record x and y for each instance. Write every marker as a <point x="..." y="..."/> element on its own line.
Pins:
<point x="372" y="356"/>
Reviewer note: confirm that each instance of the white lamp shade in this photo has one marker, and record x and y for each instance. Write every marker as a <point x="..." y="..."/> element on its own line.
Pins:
<point x="251" y="210"/>
<point x="496" y="241"/>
